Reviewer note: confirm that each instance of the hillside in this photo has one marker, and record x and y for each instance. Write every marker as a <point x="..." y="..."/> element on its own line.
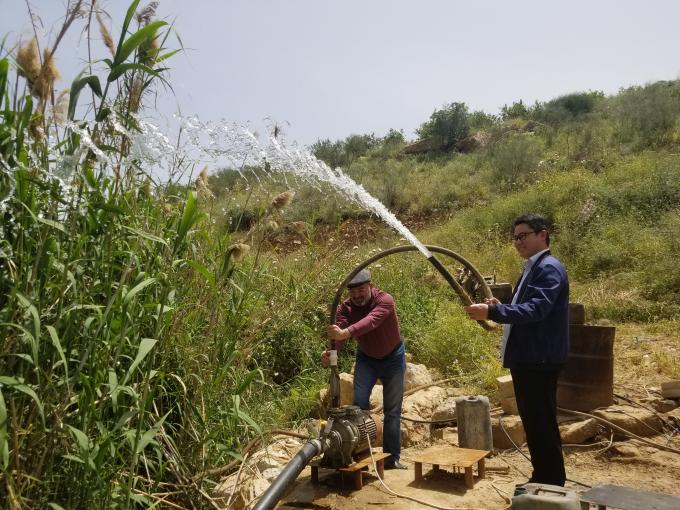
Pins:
<point x="151" y="330"/>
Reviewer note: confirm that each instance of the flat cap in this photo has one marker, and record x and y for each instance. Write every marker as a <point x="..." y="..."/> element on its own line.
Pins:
<point x="361" y="277"/>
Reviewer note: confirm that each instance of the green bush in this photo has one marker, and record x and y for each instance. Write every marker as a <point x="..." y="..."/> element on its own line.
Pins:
<point x="515" y="159"/>
<point x="645" y="116"/>
<point x="446" y="126"/>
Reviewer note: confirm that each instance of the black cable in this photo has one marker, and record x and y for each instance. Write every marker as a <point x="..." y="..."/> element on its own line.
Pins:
<point x="433" y="422"/>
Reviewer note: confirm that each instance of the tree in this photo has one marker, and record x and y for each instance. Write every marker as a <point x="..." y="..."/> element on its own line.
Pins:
<point x="567" y="107"/>
<point x="446" y="126"/>
<point x="515" y="110"/>
<point x="331" y="153"/>
<point x="358" y="145"/>
<point x="481" y="120"/>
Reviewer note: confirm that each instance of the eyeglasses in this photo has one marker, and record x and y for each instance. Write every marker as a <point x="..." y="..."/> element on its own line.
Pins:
<point x="522" y="236"/>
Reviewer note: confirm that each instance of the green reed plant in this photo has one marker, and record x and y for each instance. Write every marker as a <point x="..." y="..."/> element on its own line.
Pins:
<point x="92" y="400"/>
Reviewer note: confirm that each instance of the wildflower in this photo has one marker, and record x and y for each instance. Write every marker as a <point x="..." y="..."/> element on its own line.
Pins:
<point x="106" y="35"/>
<point x="238" y="251"/>
<point x="283" y="199"/>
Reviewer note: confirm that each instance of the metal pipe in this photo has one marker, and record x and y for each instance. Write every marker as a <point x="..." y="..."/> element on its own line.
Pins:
<point x="271" y="496"/>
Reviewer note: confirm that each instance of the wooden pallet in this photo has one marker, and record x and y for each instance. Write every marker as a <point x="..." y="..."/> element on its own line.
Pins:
<point x="356" y="469"/>
<point x="458" y="458"/>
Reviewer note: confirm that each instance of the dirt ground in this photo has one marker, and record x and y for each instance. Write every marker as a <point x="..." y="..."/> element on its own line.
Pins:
<point x="644" y="357"/>
<point x="624" y="463"/>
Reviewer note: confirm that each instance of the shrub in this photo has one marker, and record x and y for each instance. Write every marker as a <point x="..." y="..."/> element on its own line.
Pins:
<point x="515" y="158"/>
<point x="446" y="126"/>
<point x="645" y="116"/>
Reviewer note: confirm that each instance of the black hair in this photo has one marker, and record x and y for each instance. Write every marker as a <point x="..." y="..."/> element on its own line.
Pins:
<point x="536" y="222"/>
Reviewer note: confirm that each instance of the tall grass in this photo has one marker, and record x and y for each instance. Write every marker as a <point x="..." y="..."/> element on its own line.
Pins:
<point x="99" y="402"/>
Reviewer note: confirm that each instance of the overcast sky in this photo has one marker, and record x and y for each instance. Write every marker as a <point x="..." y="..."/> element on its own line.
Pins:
<point x="333" y="68"/>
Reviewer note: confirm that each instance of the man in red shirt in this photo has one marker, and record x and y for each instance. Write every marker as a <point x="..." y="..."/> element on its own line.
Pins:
<point x="369" y="316"/>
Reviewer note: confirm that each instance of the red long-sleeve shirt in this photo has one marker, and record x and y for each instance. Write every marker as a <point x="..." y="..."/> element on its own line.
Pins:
<point x="375" y="326"/>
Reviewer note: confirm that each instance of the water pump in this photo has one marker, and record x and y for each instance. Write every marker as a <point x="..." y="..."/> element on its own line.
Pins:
<point x="348" y="431"/>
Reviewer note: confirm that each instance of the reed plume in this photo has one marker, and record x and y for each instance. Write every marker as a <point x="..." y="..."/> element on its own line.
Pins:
<point x="106" y="35"/>
<point x="144" y="15"/>
<point x="238" y="251"/>
<point x="202" y="186"/>
<point x="282" y="200"/>
<point x="61" y="106"/>
<point x="135" y="97"/>
<point x="44" y="84"/>
<point x="28" y="60"/>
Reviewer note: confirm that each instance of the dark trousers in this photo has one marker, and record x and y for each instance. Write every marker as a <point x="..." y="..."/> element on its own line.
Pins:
<point x="536" y="394"/>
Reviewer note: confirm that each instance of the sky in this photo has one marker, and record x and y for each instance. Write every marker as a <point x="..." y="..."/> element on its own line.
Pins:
<point x="328" y="69"/>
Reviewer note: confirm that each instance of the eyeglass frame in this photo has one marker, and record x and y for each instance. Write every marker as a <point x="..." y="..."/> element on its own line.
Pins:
<point x="523" y="235"/>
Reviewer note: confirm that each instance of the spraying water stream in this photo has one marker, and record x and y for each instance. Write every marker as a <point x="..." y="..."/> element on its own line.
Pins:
<point x="241" y="146"/>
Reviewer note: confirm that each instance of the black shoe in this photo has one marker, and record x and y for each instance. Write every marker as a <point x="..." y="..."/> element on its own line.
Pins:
<point x="394" y="465"/>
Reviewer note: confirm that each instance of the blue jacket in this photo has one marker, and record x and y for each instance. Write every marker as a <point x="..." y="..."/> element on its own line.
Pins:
<point x="539" y="337"/>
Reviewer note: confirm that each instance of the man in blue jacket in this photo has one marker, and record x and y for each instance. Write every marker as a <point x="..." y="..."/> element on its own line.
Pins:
<point x="535" y="342"/>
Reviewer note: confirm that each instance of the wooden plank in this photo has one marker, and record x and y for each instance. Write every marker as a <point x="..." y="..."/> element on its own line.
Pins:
<point x="627" y="498"/>
<point x="367" y="461"/>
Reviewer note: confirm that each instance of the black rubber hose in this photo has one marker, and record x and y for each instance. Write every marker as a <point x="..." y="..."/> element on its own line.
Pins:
<point x="436" y="263"/>
<point x="279" y="486"/>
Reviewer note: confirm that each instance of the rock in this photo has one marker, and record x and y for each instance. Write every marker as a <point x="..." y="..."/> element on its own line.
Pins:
<point x="639" y="421"/>
<point x="323" y="397"/>
<point x="529" y="126"/>
<point x="419" y="147"/>
<point x="509" y="405"/>
<point x="269" y="462"/>
<point x="664" y="405"/>
<point x="447" y="434"/>
<point x="579" y="432"/>
<point x="670" y="389"/>
<point x="626" y="450"/>
<point x="456" y="392"/>
<point x="346" y="389"/>
<point x="416" y="375"/>
<point x="446" y="410"/>
<point x="505" y="387"/>
<point x="513" y="426"/>
<point x="473" y="142"/>
<point x="424" y="402"/>
<point x="419" y="406"/>
<point x="376" y="399"/>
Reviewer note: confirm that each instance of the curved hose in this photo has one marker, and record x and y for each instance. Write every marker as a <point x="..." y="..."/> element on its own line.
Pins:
<point x="271" y="496"/>
<point x="488" y="325"/>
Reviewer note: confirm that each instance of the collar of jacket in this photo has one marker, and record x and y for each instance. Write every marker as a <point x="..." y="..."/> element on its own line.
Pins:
<point x="526" y="280"/>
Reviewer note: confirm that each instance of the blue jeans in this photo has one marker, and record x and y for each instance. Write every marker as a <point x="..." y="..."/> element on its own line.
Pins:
<point x="390" y="370"/>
